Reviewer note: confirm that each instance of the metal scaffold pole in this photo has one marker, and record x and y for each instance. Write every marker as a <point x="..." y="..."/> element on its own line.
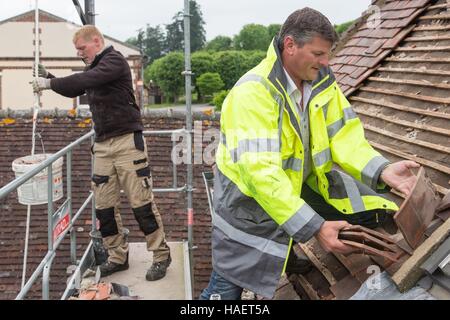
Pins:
<point x="188" y="74"/>
<point x="89" y="8"/>
<point x="88" y="15"/>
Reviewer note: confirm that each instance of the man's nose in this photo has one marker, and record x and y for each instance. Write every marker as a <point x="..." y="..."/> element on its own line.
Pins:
<point x="324" y="61"/>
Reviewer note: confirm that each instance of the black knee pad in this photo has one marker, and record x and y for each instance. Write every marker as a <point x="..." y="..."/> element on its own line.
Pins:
<point x="146" y="219"/>
<point x="108" y="225"/>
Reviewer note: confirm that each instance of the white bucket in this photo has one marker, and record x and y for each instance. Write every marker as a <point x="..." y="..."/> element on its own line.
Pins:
<point x="35" y="190"/>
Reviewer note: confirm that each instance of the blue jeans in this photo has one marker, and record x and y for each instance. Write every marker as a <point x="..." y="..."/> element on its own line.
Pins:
<point x="219" y="285"/>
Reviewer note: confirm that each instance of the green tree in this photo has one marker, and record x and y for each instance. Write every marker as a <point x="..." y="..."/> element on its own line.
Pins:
<point x="166" y="73"/>
<point x="175" y="30"/>
<point x="151" y="42"/>
<point x="202" y="62"/>
<point x="219" y="43"/>
<point x="231" y="65"/>
<point x="341" y="28"/>
<point x="273" y="30"/>
<point x="154" y="43"/>
<point x="252" y="37"/>
<point x="254" y="58"/>
<point x="174" y="36"/>
<point x="219" y="98"/>
<point x="198" y="33"/>
<point x="209" y="83"/>
<point x="137" y="41"/>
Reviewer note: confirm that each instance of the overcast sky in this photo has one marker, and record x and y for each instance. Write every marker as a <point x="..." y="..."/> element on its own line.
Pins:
<point x="121" y="19"/>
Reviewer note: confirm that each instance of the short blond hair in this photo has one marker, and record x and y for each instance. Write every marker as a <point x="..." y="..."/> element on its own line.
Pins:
<point x="87" y="33"/>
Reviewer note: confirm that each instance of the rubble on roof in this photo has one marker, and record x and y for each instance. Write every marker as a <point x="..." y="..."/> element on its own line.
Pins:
<point x="336" y="276"/>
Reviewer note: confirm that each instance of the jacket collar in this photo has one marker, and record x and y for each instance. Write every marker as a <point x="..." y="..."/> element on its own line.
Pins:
<point x="278" y="78"/>
<point x="100" y="55"/>
<point x="277" y="72"/>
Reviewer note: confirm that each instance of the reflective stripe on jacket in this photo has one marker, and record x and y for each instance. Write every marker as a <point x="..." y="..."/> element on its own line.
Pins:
<point x="257" y="204"/>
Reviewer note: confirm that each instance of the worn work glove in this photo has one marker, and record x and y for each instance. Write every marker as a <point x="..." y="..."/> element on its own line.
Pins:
<point x="42" y="72"/>
<point x="41" y="84"/>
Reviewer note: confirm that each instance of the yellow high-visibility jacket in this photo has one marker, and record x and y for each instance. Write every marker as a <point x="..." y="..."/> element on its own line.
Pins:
<point x="257" y="204"/>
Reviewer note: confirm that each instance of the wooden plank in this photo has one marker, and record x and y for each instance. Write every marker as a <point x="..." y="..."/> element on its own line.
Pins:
<point x="427" y="38"/>
<point x="425" y="60"/>
<point x="412" y="82"/>
<point x="425" y="144"/>
<point x="286" y="293"/>
<point x="441" y="189"/>
<point x="410" y="272"/>
<point x="404" y="123"/>
<point x="354" y="263"/>
<point x="285" y="290"/>
<point x="346" y="288"/>
<point x="383" y="103"/>
<point x="432" y="28"/>
<point x="318" y="264"/>
<point x="435" y="17"/>
<point x="310" y="292"/>
<point x="408" y="95"/>
<point x="439" y="6"/>
<point x="403" y="155"/>
<point x="397" y="193"/>
<point x="417" y="71"/>
<point x="426" y="49"/>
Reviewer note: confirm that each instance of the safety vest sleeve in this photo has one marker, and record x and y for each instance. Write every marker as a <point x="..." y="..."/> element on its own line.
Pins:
<point x="250" y="120"/>
<point x="349" y="147"/>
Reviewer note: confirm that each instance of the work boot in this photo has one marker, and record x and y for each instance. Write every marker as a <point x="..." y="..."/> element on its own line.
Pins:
<point x="158" y="270"/>
<point x="298" y="264"/>
<point x="109" y="267"/>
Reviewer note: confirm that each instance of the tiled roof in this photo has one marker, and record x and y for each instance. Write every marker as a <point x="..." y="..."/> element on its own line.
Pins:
<point x="374" y="41"/>
<point x="397" y="78"/>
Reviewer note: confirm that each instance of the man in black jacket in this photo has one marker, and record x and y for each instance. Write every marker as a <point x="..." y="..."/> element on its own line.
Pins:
<point x="120" y="150"/>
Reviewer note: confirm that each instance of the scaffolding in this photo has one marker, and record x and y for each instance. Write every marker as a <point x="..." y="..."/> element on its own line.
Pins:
<point x="55" y="217"/>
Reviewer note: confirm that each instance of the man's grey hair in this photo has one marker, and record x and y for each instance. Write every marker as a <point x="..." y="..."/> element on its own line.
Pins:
<point x="305" y="24"/>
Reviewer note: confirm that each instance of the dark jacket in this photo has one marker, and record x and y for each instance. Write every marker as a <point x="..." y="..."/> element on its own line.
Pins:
<point x="108" y="85"/>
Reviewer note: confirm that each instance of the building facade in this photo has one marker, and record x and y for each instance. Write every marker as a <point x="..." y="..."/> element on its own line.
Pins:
<point x="57" y="54"/>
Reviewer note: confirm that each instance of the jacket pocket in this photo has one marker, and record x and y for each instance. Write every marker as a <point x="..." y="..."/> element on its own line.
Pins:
<point x="144" y="188"/>
<point x="288" y="141"/>
<point x="144" y="172"/>
<point x="252" y="212"/>
<point x="98" y="180"/>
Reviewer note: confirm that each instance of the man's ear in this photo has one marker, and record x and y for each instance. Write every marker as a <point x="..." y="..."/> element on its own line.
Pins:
<point x="97" y="40"/>
<point x="289" y="44"/>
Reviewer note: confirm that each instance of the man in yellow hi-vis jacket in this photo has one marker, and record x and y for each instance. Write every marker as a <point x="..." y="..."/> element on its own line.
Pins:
<point x="283" y="126"/>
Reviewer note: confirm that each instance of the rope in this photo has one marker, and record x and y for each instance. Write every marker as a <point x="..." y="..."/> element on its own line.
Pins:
<point x="36" y="69"/>
<point x="35" y="115"/>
